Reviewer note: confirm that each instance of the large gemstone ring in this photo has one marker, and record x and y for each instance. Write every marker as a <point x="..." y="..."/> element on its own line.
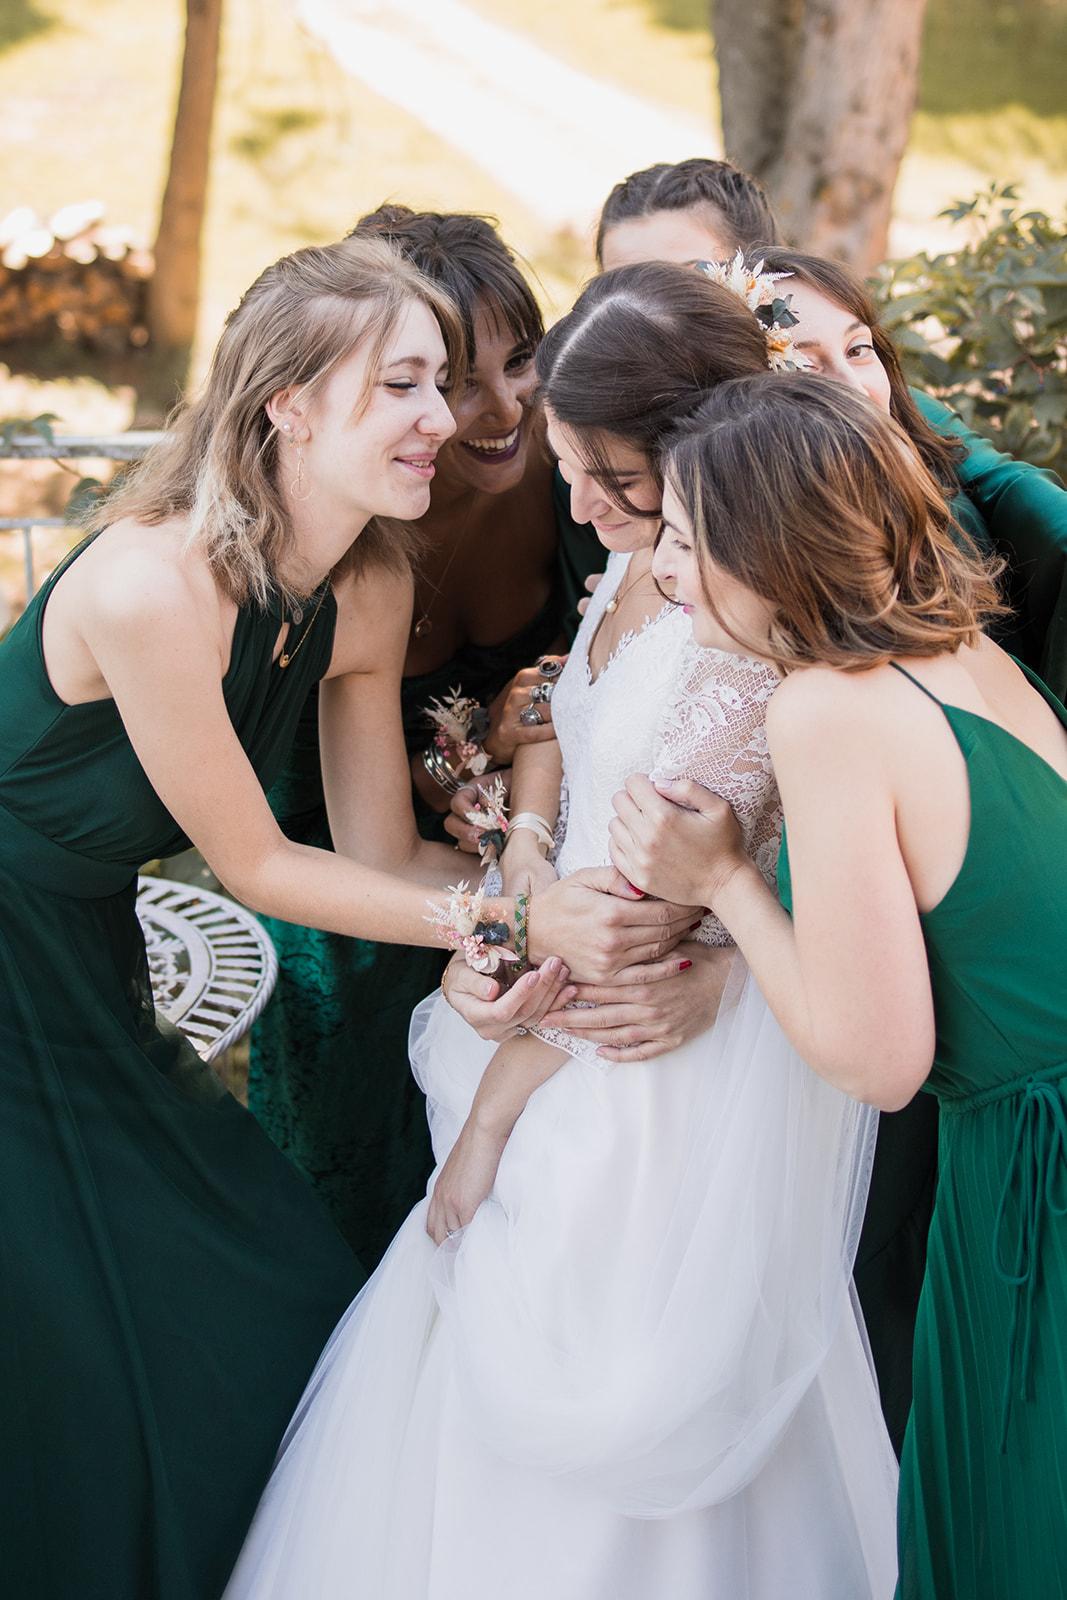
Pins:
<point x="550" y="666"/>
<point x="530" y="717"/>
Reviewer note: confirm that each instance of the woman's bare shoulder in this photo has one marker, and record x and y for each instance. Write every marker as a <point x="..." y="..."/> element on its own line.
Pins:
<point x="148" y="572"/>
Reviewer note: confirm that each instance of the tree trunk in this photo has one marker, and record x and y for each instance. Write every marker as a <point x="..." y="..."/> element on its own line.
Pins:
<point x="175" y="292"/>
<point x="820" y="93"/>
<point x="757" y="43"/>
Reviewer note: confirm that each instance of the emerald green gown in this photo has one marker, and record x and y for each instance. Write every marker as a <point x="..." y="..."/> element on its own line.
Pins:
<point x="166" y="1278"/>
<point x="983" y="1492"/>
<point x="329" y="1073"/>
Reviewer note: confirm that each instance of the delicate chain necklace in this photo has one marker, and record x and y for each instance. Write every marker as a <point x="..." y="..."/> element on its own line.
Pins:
<point x="610" y="609"/>
<point x="617" y="599"/>
<point x="424" y="626"/>
<point x="295" y="619"/>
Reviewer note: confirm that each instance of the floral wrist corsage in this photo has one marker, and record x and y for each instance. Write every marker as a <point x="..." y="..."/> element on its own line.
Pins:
<point x="461" y="724"/>
<point x="484" y="944"/>
<point x="491" y="816"/>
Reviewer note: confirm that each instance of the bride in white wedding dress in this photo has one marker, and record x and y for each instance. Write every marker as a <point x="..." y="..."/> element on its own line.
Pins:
<point x="637" y="1373"/>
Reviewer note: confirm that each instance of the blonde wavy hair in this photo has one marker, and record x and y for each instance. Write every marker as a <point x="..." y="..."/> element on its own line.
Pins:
<point x="217" y="465"/>
<point x="807" y="494"/>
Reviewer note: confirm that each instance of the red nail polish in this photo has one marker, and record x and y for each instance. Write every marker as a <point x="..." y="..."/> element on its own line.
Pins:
<point x="693" y="926"/>
<point x="683" y="966"/>
<point x="635" y="890"/>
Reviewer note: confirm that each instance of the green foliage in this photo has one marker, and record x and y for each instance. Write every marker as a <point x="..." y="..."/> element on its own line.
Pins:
<point x="984" y="326"/>
<point x="84" y="492"/>
<point x="41" y="425"/>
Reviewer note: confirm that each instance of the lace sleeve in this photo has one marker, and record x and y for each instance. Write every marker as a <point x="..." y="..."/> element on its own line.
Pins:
<point x="714" y="732"/>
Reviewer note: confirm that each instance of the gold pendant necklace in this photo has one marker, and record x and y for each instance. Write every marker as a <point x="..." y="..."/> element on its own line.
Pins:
<point x="424" y="626"/>
<point x="296" y="617"/>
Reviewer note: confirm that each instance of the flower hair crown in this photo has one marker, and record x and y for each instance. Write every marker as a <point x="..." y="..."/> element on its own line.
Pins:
<point x="773" y="313"/>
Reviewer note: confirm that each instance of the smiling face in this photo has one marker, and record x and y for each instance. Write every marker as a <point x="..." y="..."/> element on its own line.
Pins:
<point x="591" y="501"/>
<point x="494" y="411"/>
<point x="695" y="234"/>
<point x="688" y="576"/>
<point x="370" y="452"/>
<point x="836" y="344"/>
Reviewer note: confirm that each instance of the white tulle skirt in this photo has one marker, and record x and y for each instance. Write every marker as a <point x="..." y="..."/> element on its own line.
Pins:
<point x="638" y="1374"/>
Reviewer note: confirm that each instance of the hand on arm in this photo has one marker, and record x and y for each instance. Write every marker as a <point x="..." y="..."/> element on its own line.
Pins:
<point x="647" y="1010"/>
<point x="847" y="978"/>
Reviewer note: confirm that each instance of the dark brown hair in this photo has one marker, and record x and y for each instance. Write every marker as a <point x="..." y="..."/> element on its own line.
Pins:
<point x="638" y="352"/>
<point x="807" y="494"/>
<point x="738" y="202"/>
<point x="840" y="285"/>
<point x="466" y="257"/>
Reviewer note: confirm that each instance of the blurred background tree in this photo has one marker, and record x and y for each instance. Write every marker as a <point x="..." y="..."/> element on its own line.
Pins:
<point x="174" y="293"/>
<point x="817" y="99"/>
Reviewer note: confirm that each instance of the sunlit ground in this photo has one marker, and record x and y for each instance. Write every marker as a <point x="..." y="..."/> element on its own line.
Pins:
<point x="86" y="105"/>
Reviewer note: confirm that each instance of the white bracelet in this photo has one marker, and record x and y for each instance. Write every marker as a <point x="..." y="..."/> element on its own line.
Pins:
<point x="535" y="825"/>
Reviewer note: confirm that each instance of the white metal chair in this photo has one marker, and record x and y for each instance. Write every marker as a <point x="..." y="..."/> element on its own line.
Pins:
<point x="212" y="965"/>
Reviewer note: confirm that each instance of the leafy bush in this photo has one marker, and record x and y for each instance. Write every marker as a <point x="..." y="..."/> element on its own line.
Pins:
<point x="984" y="327"/>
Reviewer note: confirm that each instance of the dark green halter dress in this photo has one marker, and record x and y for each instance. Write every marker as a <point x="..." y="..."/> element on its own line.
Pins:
<point x="166" y="1278"/>
<point x="983" y="1489"/>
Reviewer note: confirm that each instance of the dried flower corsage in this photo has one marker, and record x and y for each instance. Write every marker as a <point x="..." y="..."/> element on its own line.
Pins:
<point x="462" y="723"/>
<point x="484" y="944"/>
<point x="491" y="817"/>
<point x="773" y="312"/>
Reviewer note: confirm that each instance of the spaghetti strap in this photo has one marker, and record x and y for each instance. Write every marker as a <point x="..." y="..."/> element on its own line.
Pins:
<point x="905" y="674"/>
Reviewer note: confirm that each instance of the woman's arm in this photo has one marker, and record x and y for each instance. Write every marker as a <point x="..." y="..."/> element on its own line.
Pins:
<point x="156" y="643"/>
<point x="1025" y="511"/>
<point x="365" y="773"/>
<point x="537" y="777"/>
<point x="847" y="977"/>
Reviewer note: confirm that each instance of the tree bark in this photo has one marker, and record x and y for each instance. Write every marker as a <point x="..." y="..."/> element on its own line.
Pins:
<point x="175" y="291"/>
<point x="817" y="100"/>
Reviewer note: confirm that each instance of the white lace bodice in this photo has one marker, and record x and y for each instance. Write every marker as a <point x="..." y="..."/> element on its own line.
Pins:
<point x="664" y="706"/>
<point x="607" y="728"/>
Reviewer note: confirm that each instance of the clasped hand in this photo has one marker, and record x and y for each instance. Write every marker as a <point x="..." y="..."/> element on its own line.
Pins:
<point x="676" y="840"/>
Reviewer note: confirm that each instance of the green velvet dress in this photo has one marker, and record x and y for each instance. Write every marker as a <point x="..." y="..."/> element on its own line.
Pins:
<point x="329" y="1075"/>
<point x="983" y="1495"/>
<point x="166" y="1278"/>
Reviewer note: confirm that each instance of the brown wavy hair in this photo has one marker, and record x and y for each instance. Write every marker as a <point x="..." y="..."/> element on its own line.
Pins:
<point x="830" y="278"/>
<point x="217" y="465"/>
<point x="807" y="494"/>
<point x="733" y="200"/>
<point x="466" y="257"/>
<point x="639" y="351"/>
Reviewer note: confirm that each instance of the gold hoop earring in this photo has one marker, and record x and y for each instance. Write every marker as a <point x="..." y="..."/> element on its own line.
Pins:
<point x="299" y="487"/>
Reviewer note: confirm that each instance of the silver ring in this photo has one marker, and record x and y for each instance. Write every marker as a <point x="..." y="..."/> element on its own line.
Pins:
<point x="541" y="694"/>
<point x="450" y="1233"/>
<point x="530" y="717"/>
<point x="549" y="667"/>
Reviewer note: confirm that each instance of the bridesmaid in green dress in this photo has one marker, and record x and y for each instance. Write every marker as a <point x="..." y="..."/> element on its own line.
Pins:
<point x="167" y="1278"/>
<point x="329" y="1073"/>
<point x="924" y="930"/>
